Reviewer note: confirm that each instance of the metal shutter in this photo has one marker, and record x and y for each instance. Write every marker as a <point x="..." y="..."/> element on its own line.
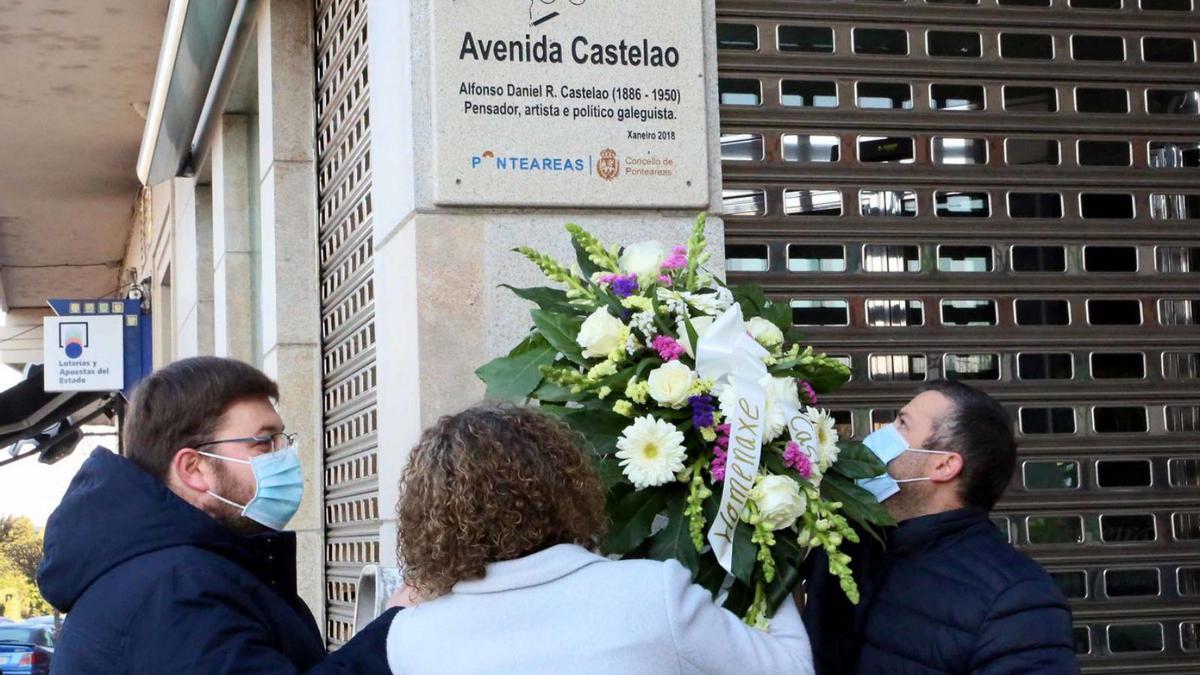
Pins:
<point x="347" y="306"/>
<point x="1006" y="192"/>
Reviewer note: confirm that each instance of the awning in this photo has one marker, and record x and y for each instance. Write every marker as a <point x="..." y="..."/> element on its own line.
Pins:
<point x="51" y="420"/>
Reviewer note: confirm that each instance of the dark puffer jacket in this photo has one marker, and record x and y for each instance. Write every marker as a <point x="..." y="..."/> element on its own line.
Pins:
<point x="949" y="595"/>
<point x="153" y="585"/>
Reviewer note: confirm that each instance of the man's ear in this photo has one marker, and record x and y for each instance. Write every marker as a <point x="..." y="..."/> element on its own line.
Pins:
<point x="190" y="470"/>
<point x="946" y="467"/>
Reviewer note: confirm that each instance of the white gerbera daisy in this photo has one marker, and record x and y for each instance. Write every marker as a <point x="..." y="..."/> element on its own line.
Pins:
<point x="827" y="437"/>
<point x="651" y="452"/>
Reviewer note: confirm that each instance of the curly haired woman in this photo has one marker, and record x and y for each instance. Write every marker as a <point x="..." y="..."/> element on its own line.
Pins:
<point x="499" y="515"/>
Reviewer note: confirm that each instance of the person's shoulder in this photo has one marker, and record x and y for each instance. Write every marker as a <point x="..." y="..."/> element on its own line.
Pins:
<point x="998" y="565"/>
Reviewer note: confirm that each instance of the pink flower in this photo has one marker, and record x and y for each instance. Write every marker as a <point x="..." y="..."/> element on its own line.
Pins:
<point x="807" y="391"/>
<point x="667" y="347"/>
<point x="677" y="260"/>
<point x="717" y="468"/>
<point x="664" y="280"/>
<point x="795" y="457"/>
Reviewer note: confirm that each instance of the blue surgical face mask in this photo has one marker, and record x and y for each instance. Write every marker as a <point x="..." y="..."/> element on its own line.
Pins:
<point x="887" y="443"/>
<point x="278" y="487"/>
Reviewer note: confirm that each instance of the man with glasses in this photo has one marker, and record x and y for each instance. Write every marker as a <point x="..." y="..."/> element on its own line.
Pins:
<point x="172" y="559"/>
<point x="947" y="594"/>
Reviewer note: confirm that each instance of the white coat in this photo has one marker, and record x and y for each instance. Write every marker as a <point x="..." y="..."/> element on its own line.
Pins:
<point x="565" y="610"/>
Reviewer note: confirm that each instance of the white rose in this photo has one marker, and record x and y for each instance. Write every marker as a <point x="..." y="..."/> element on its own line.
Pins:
<point x="779" y="501"/>
<point x="600" y="334"/>
<point x="701" y="324"/>
<point x="671" y="383"/>
<point x="764" y="332"/>
<point x="643" y="259"/>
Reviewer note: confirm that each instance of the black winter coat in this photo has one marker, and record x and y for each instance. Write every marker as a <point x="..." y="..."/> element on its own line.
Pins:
<point x="154" y="585"/>
<point x="949" y="595"/>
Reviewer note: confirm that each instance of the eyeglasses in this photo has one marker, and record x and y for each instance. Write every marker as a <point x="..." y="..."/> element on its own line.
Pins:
<point x="278" y="441"/>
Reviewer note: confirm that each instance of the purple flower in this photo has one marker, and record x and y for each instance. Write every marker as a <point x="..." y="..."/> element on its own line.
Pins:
<point x="795" y="457"/>
<point x="702" y="410"/>
<point x="717" y="468"/>
<point x="625" y="286"/>
<point x="807" y="391"/>
<point x="667" y="347"/>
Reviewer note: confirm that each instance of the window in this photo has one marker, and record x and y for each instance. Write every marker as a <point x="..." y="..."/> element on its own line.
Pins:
<point x="1104" y="153"/>
<point x="1174" y="206"/>
<point x="743" y="202"/>
<point x="1054" y="529"/>
<point x="1026" y="46"/>
<point x="882" y="41"/>
<point x="1025" y="3"/>
<point x="884" y="96"/>
<point x="820" y="312"/>
<point x="805" y="94"/>
<point x="1172" y="155"/>
<point x="1178" y="259"/>
<point x="1141" y="637"/>
<point x="1167" y="5"/>
<point x="897" y="149"/>
<point x="1123" y="473"/>
<point x="1044" y="367"/>
<point x="896" y="367"/>
<point x="741" y="147"/>
<point x="1030" y="99"/>
<point x="737" y="36"/>
<point x="892" y="313"/>
<point x="1104" y="205"/>
<point x="1114" y="312"/>
<point x="949" y="150"/>
<point x="1168" y="50"/>
<point x="961" y="97"/>
<point x="1119" y="419"/>
<point x="1101" y="100"/>
<point x="747" y="258"/>
<point x="1173" y="101"/>
<point x="1110" y="258"/>
<point x="964" y="258"/>
<point x="812" y="39"/>
<point x="1073" y="584"/>
<point x="1042" y="312"/>
<point x="1116" y="529"/>
<point x="1131" y="583"/>
<point x="960" y="44"/>
<point x="802" y="148"/>
<point x="1118" y="365"/>
<point x="1039" y="258"/>
<point x="1024" y="151"/>
<point x="1050" y="475"/>
<point x="888" y="203"/>
<point x="812" y="202"/>
<point x="1096" y="4"/>
<point x="1181" y="365"/>
<point x="951" y="204"/>
<point x="968" y="312"/>
<point x="891" y="258"/>
<point x="734" y="91"/>
<point x="971" y="366"/>
<point x="1187" y="580"/>
<point x="1186" y="526"/>
<point x="1097" y="48"/>
<point x="1182" y="418"/>
<point x="816" y="258"/>
<point x="1178" y="312"/>
<point x="1184" y="473"/>
<point x="1047" y="421"/>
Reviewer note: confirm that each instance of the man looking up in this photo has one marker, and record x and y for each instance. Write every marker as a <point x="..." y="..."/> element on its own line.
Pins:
<point x="947" y="594"/>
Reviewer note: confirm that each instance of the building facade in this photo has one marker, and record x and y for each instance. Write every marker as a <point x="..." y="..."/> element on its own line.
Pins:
<point x="999" y="191"/>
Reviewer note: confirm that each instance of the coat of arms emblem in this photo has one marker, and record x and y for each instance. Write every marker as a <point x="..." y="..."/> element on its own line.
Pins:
<point x="608" y="168"/>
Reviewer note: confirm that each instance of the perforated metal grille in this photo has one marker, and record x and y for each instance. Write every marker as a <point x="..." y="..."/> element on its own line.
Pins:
<point x="1005" y="192"/>
<point x="347" y="305"/>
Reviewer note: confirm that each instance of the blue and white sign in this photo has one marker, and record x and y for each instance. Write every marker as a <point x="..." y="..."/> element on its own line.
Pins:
<point x="84" y="353"/>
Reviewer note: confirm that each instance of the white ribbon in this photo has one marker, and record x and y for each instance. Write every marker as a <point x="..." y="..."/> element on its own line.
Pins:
<point x="728" y="355"/>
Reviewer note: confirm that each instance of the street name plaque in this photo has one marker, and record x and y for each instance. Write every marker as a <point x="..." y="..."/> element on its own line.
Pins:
<point x="569" y="102"/>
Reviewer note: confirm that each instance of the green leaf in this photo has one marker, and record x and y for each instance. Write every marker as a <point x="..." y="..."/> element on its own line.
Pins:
<point x="546" y="298"/>
<point x="586" y="266"/>
<point x="513" y="377"/>
<point x="745" y="554"/>
<point x="858" y="505"/>
<point x="609" y="471"/>
<point x="856" y="460"/>
<point x="780" y="314"/>
<point x="561" y="332"/>
<point x="750" y="297"/>
<point x="632" y="516"/>
<point x="675" y="540"/>
<point x="599" y="428"/>
<point x="549" y="392"/>
<point x="711" y="575"/>
<point x="823" y="378"/>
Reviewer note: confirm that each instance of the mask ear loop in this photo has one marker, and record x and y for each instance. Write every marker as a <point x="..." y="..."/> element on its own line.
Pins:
<point x="227" y="459"/>
<point x="927" y="452"/>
